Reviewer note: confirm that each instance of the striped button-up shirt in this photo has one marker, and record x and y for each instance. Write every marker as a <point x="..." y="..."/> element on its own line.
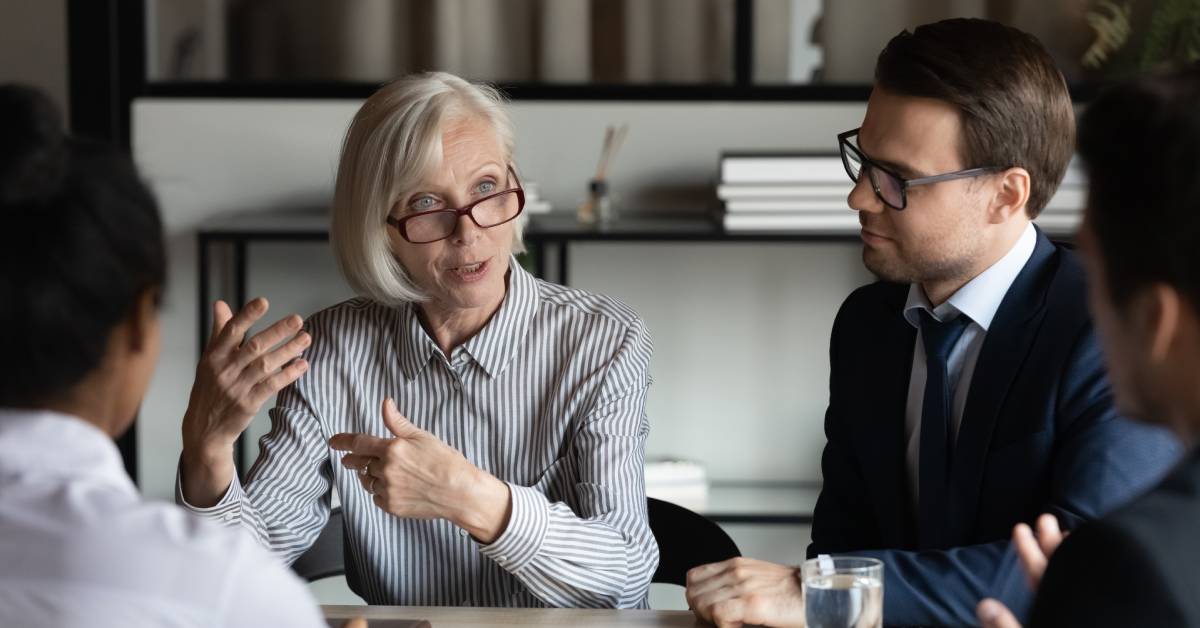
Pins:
<point x="549" y="397"/>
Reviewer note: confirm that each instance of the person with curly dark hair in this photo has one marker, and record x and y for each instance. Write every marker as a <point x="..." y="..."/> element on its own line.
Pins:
<point x="81" y="274"/>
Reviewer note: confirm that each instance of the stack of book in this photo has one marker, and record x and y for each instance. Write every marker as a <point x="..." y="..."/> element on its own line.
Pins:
<point x="785" y="192"/>
<point x="534" y="203"/>
<point x="1064" y="212"/>
<point x="807" y="194"/>
<point x="682" y="482"/>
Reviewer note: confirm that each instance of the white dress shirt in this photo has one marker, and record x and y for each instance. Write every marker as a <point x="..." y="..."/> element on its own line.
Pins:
<point x="79" y="547"/>
<point x="978" y="300"/>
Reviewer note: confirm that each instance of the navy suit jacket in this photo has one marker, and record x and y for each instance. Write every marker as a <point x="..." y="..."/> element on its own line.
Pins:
<point x="1039" y="433"/>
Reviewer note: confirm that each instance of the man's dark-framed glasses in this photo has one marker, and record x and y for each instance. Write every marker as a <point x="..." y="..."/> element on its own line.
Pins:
<point x="890" y="187"/>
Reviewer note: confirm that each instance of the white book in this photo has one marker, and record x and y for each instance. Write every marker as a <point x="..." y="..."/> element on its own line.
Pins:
<point x="818" y="222"/>
<point x="847" y="222"/>
<point x="732" y="191"/>
<point x="1065" y="201"/>
<point x="673" y="471"/>
<point x="1075" y="174"/>
<point x="782" y="168"/>
<point x="537" y="206"/>
<point x="794" y="168"/>
<point x="680" y="482"/>
<point x="1070" y="198"/>
<point x="1050" y="210"/>
<point x="805" y="205"/>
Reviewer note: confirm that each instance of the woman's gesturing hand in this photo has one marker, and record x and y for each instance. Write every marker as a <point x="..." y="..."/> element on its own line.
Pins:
<point x="415" y="475"/>
<point x="233" y="380"/>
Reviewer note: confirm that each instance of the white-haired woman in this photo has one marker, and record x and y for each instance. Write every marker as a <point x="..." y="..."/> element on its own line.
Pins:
<point x="484" y="429"/>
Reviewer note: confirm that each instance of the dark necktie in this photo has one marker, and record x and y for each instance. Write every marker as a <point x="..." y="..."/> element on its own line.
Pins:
<point x="934" y="470"/>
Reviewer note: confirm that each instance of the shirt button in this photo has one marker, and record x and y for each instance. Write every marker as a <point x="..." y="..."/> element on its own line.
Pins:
<point x="462" y="532"/>
<point x="502" y="558"/>
<point x="229" y="516"/>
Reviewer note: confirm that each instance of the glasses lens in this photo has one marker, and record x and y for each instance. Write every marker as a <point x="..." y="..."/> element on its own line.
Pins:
<point x="440" y="224"/>
<point x="851" y="161"/>
<point x="890" y="189"/>
<point x="497" y="210"/>
<point x="431" y="226"/>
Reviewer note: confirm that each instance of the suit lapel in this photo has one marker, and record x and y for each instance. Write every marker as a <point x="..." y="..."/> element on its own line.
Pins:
<point x="883" y="434"/>
<point x="1006" y="346"/>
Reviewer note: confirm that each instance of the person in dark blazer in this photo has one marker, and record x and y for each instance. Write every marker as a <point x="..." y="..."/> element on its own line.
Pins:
<point x="1139" y="566"/>
<point x="967" y="391"/>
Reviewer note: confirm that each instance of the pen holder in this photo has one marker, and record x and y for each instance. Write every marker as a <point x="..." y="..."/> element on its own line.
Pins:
<point x="602" y="206"/>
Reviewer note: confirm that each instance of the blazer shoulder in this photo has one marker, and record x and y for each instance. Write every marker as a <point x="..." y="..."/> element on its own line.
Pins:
<point x="881" y="298"/>
<point x="1068" y="288"/>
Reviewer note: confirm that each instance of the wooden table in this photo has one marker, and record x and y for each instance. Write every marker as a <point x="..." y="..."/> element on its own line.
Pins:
<point x="442" y="617"/>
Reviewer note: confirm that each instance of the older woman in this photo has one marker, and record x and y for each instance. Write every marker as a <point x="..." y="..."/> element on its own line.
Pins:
<point x="484" y="429"/>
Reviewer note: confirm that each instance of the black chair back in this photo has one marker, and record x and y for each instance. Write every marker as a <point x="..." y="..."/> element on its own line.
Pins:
<point x="325" y="557"/>
<point x="685" y="540"/>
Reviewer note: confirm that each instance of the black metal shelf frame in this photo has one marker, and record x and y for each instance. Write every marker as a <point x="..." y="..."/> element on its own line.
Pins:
<point x="235" y="234"/>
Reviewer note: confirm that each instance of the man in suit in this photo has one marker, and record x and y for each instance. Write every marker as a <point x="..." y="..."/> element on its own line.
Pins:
<point x="1140" y="566"/>
<point x="967" y="392"/>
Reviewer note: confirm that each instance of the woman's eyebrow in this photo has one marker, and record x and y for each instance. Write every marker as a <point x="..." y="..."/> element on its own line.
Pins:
<point x="490" y="164"/>
<point x="429" y="187"/>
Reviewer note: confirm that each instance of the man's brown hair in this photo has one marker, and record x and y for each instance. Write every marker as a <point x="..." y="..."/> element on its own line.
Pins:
<point x="1014" y="104"/>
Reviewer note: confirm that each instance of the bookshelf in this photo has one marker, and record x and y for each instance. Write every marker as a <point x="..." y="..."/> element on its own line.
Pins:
<point x="223" y="251"/>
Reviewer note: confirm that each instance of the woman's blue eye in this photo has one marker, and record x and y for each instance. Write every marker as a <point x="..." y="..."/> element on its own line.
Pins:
<point x="424" y="203"/>
<point x="487" y="187"/>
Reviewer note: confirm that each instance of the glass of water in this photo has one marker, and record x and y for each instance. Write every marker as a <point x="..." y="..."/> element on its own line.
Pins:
<point x="843" y="592"/>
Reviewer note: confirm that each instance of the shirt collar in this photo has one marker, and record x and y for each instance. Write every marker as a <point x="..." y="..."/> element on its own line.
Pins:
<point x="416" y="348"/>
<point x="43" y="442"/>
<point x="980" y="298"/>
<point x="495" y="345"/>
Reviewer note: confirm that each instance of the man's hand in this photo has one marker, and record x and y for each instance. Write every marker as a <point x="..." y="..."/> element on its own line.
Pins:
<point x="746" y="591"/>
<point x="994" y="614"/>
<point x="1035" y="553"/>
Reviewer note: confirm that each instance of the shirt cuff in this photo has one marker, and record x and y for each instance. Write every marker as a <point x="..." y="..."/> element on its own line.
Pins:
<point x="227" y="510"/>
<point x="527" y="526"/>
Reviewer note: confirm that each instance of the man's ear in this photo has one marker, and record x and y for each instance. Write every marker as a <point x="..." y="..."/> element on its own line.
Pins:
<point x="144" y="319"/>
<point x="1012" y="195"/>
<point x="1158" y="314"/>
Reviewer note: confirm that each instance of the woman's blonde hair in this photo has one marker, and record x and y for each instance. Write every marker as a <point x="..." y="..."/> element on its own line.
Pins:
<point x="392" y="143"/>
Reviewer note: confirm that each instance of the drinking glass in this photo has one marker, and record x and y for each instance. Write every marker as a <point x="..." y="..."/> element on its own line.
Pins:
<point x="843" y="592"/>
